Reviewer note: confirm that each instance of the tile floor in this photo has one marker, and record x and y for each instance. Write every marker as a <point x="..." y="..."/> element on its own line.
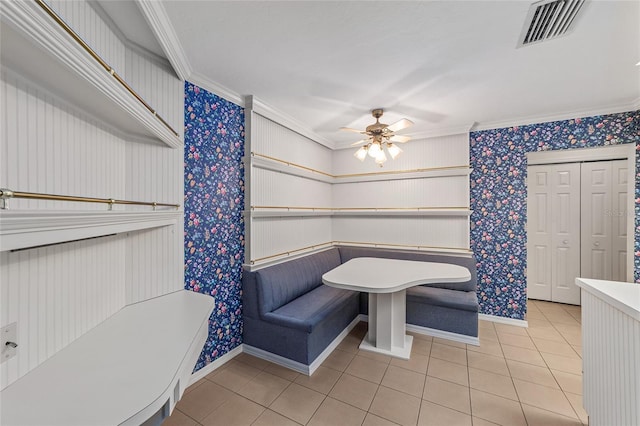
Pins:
<point x="517" y="376"/>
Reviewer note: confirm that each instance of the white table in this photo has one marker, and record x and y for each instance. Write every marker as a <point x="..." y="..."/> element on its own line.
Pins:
<point x="386" y="281"/>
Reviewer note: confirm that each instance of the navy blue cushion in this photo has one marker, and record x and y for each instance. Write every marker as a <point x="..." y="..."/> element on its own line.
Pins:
<point x="463" y="300"/>
<point x="348" y="253"/>
<point x="282" y="283"/>
<point x="308" y="310"/>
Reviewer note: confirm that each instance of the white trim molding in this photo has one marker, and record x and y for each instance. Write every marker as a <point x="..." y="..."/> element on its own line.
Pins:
<point x="566" y="115"/>
<point x="217" y="89"/>
<point x="455" y="337"/>
<point x="503" y="320"/>
<point x="158" y="19"/>
<point x="21" y="229"/>
<point x="271" y="113"/>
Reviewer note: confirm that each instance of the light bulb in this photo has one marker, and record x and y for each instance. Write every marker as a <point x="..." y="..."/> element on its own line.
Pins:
<point x="374" y="149"/>
<point x="394" y="150"/>
<point x="381" y="157"/>
<point x="361" y="154"/>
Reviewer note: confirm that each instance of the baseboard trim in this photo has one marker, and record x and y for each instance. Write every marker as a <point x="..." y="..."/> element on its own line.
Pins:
<point x="503" y="320"/>
<point x="298" y="366"/>
<point x="456" y="337"/>
<point x="209" y="368"/>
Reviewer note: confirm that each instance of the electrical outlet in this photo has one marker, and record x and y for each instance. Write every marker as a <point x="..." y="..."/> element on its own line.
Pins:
<point x="8" y="342"/>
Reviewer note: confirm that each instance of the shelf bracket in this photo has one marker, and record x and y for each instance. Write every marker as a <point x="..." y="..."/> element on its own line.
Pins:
<point x="5" y="195"/>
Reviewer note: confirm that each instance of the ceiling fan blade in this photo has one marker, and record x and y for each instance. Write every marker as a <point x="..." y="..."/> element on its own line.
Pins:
<point x="399" y="125"/>
<point x="360" y="142"/>
<point x="400" y="139"/>
<point x="349" y="129"/>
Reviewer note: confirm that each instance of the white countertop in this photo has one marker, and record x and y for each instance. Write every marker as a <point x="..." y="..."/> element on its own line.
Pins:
<point x="111" y="373"/>
<point x="623" y="296"/>
<point x="378" y="275"/>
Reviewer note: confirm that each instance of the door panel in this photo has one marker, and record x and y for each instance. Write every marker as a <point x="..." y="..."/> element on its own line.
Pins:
<point x="539" y="237"/>
<point x="565" y="232"/>
<point x="619" y="215"/>
<point x="596" y="218"/>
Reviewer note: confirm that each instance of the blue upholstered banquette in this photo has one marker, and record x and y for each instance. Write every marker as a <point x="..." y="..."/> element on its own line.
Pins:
<point x="289" y="312"/>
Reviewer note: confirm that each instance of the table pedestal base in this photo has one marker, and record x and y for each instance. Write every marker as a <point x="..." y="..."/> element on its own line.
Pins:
<point x="402" y="353"/>
<point x="387" y="316"/>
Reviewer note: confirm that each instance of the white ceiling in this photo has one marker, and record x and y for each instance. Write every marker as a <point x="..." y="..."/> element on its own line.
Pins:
<point x="442" y="64"/>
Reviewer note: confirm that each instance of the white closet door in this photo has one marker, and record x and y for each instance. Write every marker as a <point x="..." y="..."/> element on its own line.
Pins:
<point x="565" y="237"/>
<point x="539" y="194"/>
<point x="619" y="217"/>
<point x="596" y="218"/>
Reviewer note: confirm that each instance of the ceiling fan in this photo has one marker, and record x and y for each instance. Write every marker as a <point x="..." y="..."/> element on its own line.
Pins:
<point x="380" y="136"/>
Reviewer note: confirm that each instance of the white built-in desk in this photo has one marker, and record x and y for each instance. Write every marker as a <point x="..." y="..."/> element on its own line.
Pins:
<point x="124" y="371"/>
<point x="386" y="281"/>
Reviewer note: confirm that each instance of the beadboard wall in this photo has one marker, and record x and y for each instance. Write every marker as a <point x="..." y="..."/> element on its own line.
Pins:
<point x="422" y="207"/>
<point x="273" y="191"/>
<point x="56" y="294"/>
<point x="305" y="196"/>
<point x="47" y="145"/>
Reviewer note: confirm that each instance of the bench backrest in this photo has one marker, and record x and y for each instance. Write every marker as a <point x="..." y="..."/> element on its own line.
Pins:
<point x="348" y="253"/>
<point x="279" y="284"/>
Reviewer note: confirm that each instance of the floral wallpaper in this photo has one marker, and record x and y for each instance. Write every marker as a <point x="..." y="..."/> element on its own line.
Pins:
<point x="213" y="204"/>
<point x="498" y="198"/>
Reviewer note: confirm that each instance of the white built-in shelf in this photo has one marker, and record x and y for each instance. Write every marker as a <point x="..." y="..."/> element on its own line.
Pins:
<point x="360" y="212"/>
<point x="122" y="372"/>
<point x="33" y="45"/>
<point x="32" y="228"/>
<point x="282" y="166"/>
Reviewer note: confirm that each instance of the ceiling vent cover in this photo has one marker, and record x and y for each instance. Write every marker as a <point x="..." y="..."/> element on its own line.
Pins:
<point x="549" y="19"/>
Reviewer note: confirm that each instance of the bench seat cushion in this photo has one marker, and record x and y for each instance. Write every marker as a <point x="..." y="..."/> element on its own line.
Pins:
<point x="308" y="310"/>
<point x="462" y="300"/>
<point x="280" y="284"/>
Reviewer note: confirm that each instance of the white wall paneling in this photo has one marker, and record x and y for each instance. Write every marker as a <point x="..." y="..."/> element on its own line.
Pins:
<point x="56" y="294"/>
<point x="445" y="151"/>
<point x="279" y="235"/>
<point x="158" y="86"/>
<point x="87" y="23"/>
<point x="49" y="147"/>
<point x="610" y="351"/>
<point x="279" y="189"/>
<point x="405" y="193"/>
<point x="153" y="265"/>
<point x="302" y="194"/>
<point x="274" y="140"/>
<point x="432" y="231"/>
<point x="39" y="48"/>
<point x="53" y="142"/>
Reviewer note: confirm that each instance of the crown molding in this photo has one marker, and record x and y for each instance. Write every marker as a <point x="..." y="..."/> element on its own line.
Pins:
<point x="156" y="16"/>
<point x="567" y="115"/>
<point x="267" y="111"/>
<point x="218" y="89"/>
<point x="133" y="46"/>
<point x="443" y="131"/>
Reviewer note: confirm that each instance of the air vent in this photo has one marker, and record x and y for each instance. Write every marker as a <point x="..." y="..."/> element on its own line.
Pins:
<point x="549" y="19"/>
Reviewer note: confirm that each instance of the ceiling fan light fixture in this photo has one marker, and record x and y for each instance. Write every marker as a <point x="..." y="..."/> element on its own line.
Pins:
<point x="394" y="150"/>
<point x="361" y="154"/>
<point x="374" y="149"/>
<point x="380" y="135"/>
